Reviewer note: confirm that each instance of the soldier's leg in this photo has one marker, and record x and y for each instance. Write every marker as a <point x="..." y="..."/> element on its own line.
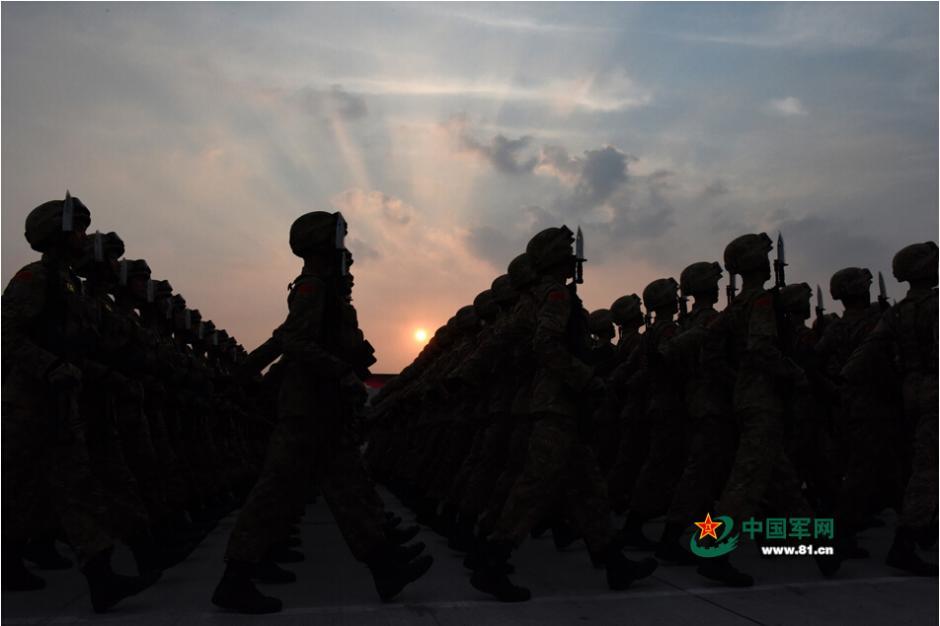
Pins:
<point x="262" y="512"/>
<point x="711" y="455"/>
<point x="661" y="471"/>
<point x="917" y="523"/>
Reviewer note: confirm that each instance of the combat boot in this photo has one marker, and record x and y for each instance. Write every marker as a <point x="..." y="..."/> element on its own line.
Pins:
<point x="670" y="549"/>
<point x="391" y="575"/>
<point x="236" y="592"/>
<point x="150" y="557"/>
<point x="903" y="555"/>
<point x="631" y="535"/>
<point x="42" y="552"/>
<point x="270" y="573"/>
<point x="622" y="572"/>
<point x="490" y="576"/>
<point x="281" y="554"/>
<point x="402" y="535"/>
<point x="107" y="588"/>
<point x="404" y="554"/>
<point x="15" y="575"/>
<point x="461" y="539"/>
<point x="563" y="535"/>
<point x="444" y="522"/>
<point x="720" y="569"/>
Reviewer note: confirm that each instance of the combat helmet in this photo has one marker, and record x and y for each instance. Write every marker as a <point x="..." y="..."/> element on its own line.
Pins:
<point x="502" y="290"/>
<point x="917" y="261"/>
<point x="661" y="293"/>
<point x="317" y="231"/>
<point x="747" y="253"/>
<point x="601" y="323"/>
<point x="700" y="277"/>
<point x="46" y="223"/>
<point x="850" y="281"/>
<point x="521" y="272"/>
<point x="795" y="298"/>
<point x="484" y="305"/>
<point x="550" y="247"/>
<point x="626" y="309"/>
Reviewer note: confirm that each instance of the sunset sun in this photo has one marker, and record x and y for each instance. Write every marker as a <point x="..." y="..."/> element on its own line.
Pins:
<point x="421" y="335"/>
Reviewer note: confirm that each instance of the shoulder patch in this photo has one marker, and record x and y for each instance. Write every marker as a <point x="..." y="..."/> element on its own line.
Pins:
<point x="558" y="295"/>
<point x="24" y="275"/>
<point x="766" y="301"/>
<point x="305" y="288"/>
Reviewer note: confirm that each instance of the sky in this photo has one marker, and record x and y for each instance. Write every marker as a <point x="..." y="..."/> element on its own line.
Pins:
<point x="448" y="134"/>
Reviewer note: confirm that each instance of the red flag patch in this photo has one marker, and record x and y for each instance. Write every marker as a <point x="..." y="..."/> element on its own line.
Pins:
<point x="558" y="296"/>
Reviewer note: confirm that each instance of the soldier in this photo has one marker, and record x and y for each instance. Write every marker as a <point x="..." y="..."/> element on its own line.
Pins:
<point x="908" y="332"/>
<point x="315" y="378"/>
<point x="748" y="337"/>
<point x="44" y="435"/>
<point x="863" y="417"/>
<point x="556" y="456"/>
<point x="708" y="406"/>
<point x="665" y="413"/>
<point x="623" y="454"/>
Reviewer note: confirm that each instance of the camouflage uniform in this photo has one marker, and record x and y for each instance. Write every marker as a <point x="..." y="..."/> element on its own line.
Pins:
<point x="44" y="435"/>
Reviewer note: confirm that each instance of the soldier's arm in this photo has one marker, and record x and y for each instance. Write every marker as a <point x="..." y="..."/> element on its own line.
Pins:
<point x="300" y="336"/>
<point x="875" y="354"/>
<point x="549" y="343"/>
<point x="762" y="340"/>
<point x="22" y="304"/>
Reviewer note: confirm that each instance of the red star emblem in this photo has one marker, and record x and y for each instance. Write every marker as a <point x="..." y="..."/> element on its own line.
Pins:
<point x="708" y="527"/>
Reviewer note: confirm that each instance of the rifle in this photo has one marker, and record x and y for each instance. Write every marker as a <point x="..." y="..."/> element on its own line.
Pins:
<point x="732" y="287"/>
<point x="579" y="258"/>
<point x="683" y="307"/>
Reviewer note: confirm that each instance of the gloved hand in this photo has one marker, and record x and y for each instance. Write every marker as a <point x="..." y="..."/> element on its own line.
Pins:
<point x="64" y="375"/>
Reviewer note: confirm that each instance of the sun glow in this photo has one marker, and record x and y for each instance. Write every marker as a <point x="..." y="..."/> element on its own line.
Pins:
<point x="421" y="335"/>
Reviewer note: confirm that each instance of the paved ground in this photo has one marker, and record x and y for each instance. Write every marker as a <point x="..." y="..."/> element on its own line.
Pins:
<point x="334" y="589"/>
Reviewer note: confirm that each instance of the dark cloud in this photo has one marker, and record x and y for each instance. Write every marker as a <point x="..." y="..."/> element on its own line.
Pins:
<point x="503" y="153"/>
<point x="335" y="101"/>
<point x="825" y="243"/>
<point x="715" y="189"/>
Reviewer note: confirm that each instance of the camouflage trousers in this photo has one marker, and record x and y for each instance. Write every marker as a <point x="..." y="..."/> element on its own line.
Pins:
<point x="920" y="408"/>
<point x="662" y="470"/>
<point x="711" y="454"/>
<point x="870" y="449"/>
<point x="517" y="453"/>
<point x="482" y="470"/>
<point x="127" y="512"/>
<point x="558" y="466"/>
<point x="761" y="469"/>
<point x="39" y="458"/>
<point x="342" y="479"/>
<point x="134" y="430"/>
<point x="631" y="455"/>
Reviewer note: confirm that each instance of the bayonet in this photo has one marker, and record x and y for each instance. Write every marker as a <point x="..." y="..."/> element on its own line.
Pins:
<point x="820" y="310"/>
<point x="99" y="247"/>
<point x="150" y="290"/>
<point x="68" y="213"/>
<point x="123" y="274"/>
<point x="579" y="257"/>
<point x="882" y="293"/>
<point x="780" y="263"/>
<point x="732" y="287"/>
<point x="683" y="306"/>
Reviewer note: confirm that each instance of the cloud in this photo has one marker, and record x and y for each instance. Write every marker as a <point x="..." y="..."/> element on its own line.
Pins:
<point x="506" y="155"/>
<point x="787" y="107"/>
<point x="715" y="189"/>
<point x="331" y="103"/>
